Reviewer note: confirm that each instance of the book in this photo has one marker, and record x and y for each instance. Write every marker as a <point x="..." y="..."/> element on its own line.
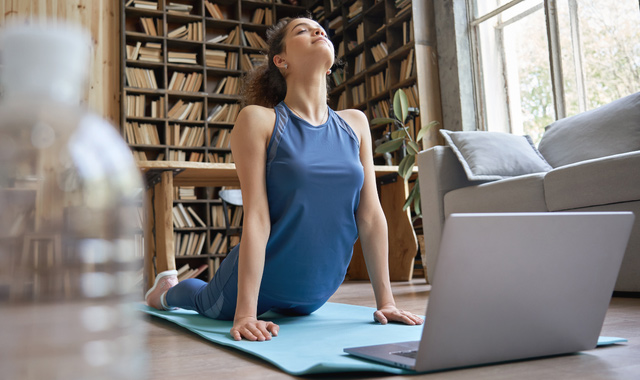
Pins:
<point x="214" y="10"/>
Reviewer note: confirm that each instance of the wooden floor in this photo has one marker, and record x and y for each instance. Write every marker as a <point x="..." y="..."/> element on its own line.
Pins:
<point x="176" y="353"/>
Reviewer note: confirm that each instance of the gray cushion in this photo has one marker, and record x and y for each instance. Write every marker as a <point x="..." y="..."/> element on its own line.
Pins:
<point x="521" y="194"/>
<point x="495" y="155"/>
<point x="600" y="181"/>
<point x="611" y="129"/>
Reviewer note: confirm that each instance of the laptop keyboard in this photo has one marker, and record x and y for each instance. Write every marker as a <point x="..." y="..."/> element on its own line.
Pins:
<point x="407" y="354"/>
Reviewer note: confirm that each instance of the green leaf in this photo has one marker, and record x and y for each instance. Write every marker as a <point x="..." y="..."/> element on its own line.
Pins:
<point x="416" y="201"/>
<point x="381" y="120"/>
<point x="425" y="129"/>
<point x="401" y="105"/>
<point x="400" y="133"/>
<point x="412" y="148"/>
<point x="408" y="202"/>
<point x="389" y="146"/>
<point x="406" y="166"/>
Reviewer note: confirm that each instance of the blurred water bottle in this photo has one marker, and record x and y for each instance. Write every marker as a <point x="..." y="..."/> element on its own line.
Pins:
<point x="69" y="193"/>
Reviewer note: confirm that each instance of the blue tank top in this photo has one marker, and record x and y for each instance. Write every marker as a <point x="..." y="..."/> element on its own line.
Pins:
<point x="314" y="177"/>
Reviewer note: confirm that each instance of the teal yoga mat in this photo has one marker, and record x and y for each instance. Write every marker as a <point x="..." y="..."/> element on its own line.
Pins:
<point x="314" y="343"/>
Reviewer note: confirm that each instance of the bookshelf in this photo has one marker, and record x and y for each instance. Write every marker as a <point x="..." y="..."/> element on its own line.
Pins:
<point x="375" y="39"/>
<point x="181" y="64"/>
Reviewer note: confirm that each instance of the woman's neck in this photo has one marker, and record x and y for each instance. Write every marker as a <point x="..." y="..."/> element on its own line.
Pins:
<point x="307" y="97"/>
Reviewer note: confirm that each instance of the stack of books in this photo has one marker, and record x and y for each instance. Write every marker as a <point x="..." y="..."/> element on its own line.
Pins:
<point x="186" y="271"/>
<point x="189" y="244"/>
<point x="262" y="16"/>
<point x="359" y="66"/>
<point x="355" y="9"/>
<point x="378" y="82"/>
<point x="357" y="94"/>
<point x="185" y="193"/>
<point x="249" y="61"/>
<point x="360" y="33"/>
<point x="407" y="67"/>
<point x="216" y="58"/>
<point x="380" y="109"/>
<point x="220" y="138"/>
<point x="142" y="4"/>
<point x="224" y="113"/>
<point x="179" y="8"/>
<point x="151" y="52"/>
<point x="182" y="57"/>
<point x="336" y="24"/>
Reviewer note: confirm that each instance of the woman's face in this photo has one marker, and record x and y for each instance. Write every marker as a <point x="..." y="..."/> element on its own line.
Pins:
<point x="306" y="43"/>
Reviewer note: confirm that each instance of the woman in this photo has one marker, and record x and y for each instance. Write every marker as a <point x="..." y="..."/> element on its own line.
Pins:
<point x="308" y="189"/>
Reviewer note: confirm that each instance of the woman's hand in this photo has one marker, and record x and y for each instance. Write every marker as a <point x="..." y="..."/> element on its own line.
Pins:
<point x="393" y="314"/>
<point x="253" y="329"/>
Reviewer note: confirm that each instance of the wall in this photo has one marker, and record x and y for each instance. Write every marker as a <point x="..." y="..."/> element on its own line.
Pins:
<point x="101" y="18"/>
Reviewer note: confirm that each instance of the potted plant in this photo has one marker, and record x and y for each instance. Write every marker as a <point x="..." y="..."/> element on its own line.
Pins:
<point x="400" y="138"/>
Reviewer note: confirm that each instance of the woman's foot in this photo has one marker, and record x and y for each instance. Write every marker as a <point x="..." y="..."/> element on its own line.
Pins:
<point x="164" y="281"/>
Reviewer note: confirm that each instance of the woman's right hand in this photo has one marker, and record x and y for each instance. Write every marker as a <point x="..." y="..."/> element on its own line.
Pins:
<point x="253" y="329"/>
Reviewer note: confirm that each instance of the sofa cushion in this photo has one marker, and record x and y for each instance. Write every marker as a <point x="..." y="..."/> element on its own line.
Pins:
<point x="495" y="155"/>
<point x="521" y="194"/>
<point x="611" y="129"/>
<point x="600" y="181"/>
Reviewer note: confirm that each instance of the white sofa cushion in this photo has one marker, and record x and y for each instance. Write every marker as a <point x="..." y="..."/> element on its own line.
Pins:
<point x="494" y="155"/>
<point x="521" y="194"/>
<point x="611" y="129"/>
<point x="600" y="181"/>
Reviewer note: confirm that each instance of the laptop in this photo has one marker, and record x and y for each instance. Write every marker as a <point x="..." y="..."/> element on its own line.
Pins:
<point x="513" y="286"/>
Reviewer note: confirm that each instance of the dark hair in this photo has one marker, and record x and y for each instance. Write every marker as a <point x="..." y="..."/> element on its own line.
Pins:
<point x="264" y="85"/>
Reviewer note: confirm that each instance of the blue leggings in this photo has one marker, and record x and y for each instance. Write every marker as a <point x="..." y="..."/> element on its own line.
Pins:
<point x="217" y="299"/>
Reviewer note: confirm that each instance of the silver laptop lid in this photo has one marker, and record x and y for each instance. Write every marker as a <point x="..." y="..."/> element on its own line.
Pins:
<point x="513" y="286"/>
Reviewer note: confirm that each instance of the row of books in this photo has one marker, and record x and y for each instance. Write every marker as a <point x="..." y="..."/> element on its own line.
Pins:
<point x="380" y="109"/>
<point x="262" y="16"/>
<point x="318" y="13"/>
<point x="140" y="155"/>
<point x="338" y="77"/>
<point x="234" y="214"/>
<point x="141" y="134"/>
<point x="191" y="82"/>
<point x="249" y="61"/>
<point x="181" y="155"/>
<point x="336" y="24"/>
<point x="355" y="9"/>
<point x="342" y="101"/>
<point x="407" y="32"/>
<point x="407" y="67"/>
<point x="136" y="106"/>
<point x="151" y="26"/>
<point x="150" y="52"/>
<point x="412" y="95"/>
<point x="378" y="82"/>
<point x="185" y="272"/>
<point x="191" y="32"/>
<point x="403" y="6"/>
<point x="186" y="217"/>
<point x="185" y="136"/>
<point x="360" y="33"/>
<point x="190" y="111"/>
<point x="214" y="10"/>
<point x="358" y="94"/>
<point x="221" y="158"/>
<point x="228" y="86"/>
<point x="220" y="245"/>
<point x="224" y="113"/>
<point x="359" y="64"/>
<point x="220" y="138"/>
<point x="340" y="51"/>
<point x="379" y="51"/>
<point x="141" y="78"/>
<point x="189" y="244"/>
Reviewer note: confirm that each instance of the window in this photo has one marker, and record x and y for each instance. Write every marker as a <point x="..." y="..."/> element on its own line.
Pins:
<point x="536" y="61"/>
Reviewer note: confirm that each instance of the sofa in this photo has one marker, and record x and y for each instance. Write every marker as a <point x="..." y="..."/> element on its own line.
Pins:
<point x="587" y="162"/>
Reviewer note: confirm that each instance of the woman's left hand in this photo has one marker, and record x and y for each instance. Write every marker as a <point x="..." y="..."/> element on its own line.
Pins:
<point x="393" y="314"/>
